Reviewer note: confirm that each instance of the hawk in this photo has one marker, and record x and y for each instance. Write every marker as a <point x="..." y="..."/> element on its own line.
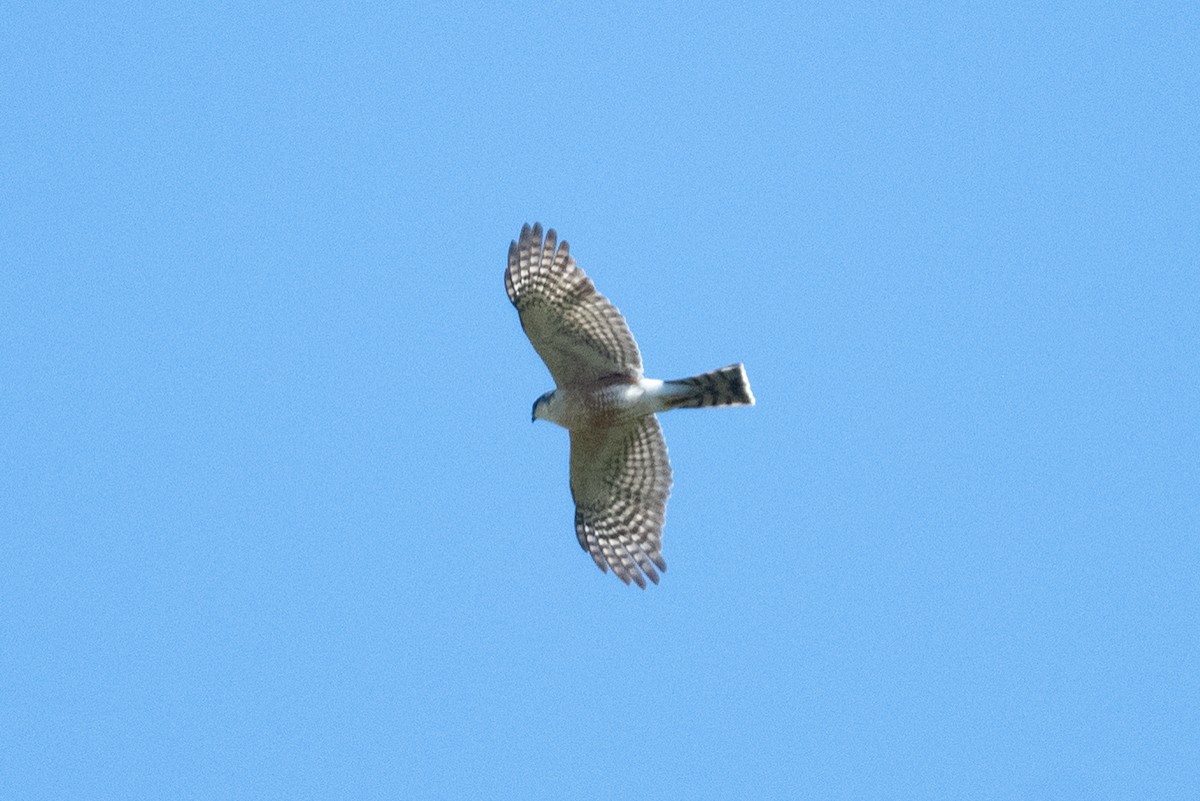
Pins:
<point x="620" y="474"/>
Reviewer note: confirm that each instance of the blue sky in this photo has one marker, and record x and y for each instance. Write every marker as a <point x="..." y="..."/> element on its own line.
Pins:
<point x="275" y="521"/>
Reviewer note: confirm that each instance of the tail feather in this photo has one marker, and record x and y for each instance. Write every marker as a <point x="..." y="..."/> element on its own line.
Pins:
<point x="725" y="387"/>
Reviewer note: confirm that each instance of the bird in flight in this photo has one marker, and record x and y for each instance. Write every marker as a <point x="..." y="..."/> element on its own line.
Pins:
<point x="620" y="474"/>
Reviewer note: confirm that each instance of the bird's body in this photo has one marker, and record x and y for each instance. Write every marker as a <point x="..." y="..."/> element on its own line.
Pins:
<point x="607" y="402"/>
<point x="620" y="474"/>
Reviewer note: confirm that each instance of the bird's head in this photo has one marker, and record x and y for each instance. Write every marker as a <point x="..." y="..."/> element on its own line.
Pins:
<point x="540" y="407"/>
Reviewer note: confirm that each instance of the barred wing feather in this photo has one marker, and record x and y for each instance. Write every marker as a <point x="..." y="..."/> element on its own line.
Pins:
<point x="620" y="480"/>
<point x="579" y="333"/>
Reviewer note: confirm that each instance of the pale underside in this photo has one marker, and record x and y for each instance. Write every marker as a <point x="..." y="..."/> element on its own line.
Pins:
<point x="620" y="474"/>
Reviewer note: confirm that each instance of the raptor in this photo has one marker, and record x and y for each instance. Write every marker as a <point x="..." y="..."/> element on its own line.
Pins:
<point x="620" y="474"/>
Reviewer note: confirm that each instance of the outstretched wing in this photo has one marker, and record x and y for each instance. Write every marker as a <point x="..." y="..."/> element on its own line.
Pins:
<point x="620" y="479"/>
<point x="578" y="333"/>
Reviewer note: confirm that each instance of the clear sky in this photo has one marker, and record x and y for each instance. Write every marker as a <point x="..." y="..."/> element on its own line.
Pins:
<point x="275" y="522"/>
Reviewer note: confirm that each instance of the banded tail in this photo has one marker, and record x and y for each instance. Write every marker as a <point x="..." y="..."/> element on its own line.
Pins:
<point x="725" y="387"/>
